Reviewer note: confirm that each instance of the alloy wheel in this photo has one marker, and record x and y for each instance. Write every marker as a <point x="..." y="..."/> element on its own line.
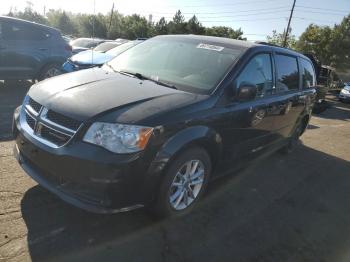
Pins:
<point x="186" y="184"/>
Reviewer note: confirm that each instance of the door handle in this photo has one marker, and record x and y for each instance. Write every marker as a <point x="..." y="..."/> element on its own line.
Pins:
<point x="2" y="47"/>
<point x="43" y="49"/>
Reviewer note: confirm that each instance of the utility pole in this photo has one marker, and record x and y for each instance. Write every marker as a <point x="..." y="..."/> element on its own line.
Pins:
<point x="110" y="19"/>
<point x="287" y="31"/>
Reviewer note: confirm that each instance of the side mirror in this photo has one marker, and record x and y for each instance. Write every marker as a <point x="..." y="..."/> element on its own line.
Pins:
<point x="246" y="91"/>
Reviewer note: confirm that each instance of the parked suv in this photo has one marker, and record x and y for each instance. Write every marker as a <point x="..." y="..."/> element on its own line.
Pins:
<point x="154" y="125"/>
<point x="29" y="50"/>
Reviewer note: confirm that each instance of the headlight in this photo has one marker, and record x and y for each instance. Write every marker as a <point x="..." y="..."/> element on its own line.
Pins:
<point x="345" y="91"/>
<point x="118" y="138"/>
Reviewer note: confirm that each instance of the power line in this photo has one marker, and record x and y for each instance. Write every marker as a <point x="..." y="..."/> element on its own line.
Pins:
<point x="209" y="13"/>
<point x="319" y="20"/>
<point x="317" y="12"/>
<point x="233" y="16"/>
<point x="326" y="9"/>
<point x="231" y="4"/>
<point x="245" y="20"/>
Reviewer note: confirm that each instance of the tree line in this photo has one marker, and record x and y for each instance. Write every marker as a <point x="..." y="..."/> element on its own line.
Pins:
<point x="116" y="25"/>
<point x="329" y="44"/>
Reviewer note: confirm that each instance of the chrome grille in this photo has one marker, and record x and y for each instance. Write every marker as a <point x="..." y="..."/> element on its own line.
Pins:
<point x="63" y="120"/>
<point x="34" y="105"/>
<point x="30" y="121"/>
<point x="54" y="136"/>
<point x="48" y="126"/>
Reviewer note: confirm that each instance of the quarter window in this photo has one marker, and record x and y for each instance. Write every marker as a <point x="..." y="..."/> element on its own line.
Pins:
<point x="287" y="73"/>
<point x="258" y="72"/>
<point x="308" y="74"/>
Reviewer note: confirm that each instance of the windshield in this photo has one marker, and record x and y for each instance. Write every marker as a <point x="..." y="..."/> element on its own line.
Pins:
<point x="121" y="48"/>
<point x="104" y="47"/>
<point x="87" y="43"/>
<point x="189" y="65"/>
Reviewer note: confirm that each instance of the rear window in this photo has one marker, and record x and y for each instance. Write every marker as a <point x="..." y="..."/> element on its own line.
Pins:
<point x="308" y="74"/>
<point x="17" y="31"/>
<point x="287" y="73"/>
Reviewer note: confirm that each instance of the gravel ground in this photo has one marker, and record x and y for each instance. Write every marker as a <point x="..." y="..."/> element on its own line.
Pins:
<point x="281" y="208"/>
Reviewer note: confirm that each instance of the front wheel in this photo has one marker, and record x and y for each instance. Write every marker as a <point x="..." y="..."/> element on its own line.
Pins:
<point x="184" y="183"/>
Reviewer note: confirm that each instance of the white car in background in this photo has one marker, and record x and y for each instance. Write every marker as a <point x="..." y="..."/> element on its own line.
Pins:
<point x="344" y="95"/>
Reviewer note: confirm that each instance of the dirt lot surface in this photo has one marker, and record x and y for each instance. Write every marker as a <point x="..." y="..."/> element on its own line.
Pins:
<point x="282" y="208"/>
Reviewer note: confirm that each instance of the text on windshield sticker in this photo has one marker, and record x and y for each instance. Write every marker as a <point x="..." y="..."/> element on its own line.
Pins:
<point x="210" y="47"/>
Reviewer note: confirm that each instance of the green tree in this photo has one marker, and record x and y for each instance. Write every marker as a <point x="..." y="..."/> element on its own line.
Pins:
<point x="330" y="45"/>
<point x="224" y="31"/>
<point x="29" y="14"/>
<point x="115" y="30"/>
<point x="340" y="44"/>
<point x="135" y="26"/>
<point x="178" y="24"/>
<point x="194" y="26"/>
<point x="92" y="26"/>
<point x="161" y="27"/>
<point x="317" y="40"/>
<point x="278" y="39"/>
<point x="59" y="19"/>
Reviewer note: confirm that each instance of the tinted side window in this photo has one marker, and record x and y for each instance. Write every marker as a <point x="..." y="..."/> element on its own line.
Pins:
<point x="258" y="71"/>
<point x="17" y="31"/>
<point x="287" y="73"/>
<point x="308" y="74"/>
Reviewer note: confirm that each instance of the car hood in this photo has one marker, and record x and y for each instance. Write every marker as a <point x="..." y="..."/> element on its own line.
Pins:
<point x="85" y="94"/>
<point x="90" y="57"/>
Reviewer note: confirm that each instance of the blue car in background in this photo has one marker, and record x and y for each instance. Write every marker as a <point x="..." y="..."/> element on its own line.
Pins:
<point x="30" y="50"/>
<point x="97" y="56"/>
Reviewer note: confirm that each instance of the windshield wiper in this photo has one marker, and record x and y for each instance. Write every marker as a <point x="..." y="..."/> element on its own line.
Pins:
<point x="111" y="67"/>
<point x="142" y="77"/>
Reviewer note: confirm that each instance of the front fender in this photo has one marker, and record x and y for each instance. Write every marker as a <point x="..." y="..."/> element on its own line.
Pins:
<point x="196" y="135"/>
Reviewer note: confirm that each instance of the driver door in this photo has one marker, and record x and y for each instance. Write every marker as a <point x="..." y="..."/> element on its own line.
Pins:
<point x="250" y="125"/>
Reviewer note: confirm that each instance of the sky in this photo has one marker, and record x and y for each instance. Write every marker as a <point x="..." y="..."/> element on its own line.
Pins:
<point x="257" y="18"/>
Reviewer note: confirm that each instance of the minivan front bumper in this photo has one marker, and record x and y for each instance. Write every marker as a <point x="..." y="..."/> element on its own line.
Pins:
<point x="84" y="175"/>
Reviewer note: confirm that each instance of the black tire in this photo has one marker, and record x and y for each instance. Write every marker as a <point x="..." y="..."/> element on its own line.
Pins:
<point x="293" y="140"/>
<point x="163" y="207"/>
<point x="49" y="70"/>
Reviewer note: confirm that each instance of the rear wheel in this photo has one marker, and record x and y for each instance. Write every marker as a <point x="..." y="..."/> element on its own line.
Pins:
<point x="50" y="70"/>
<point x="184" y="183"/>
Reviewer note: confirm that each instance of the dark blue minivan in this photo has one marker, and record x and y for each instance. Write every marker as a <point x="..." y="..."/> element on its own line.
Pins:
<point x="29" y="50"/>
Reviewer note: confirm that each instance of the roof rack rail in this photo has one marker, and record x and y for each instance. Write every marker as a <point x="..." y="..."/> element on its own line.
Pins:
<point x="266" y="43"/>
<point x="270" y="44"/>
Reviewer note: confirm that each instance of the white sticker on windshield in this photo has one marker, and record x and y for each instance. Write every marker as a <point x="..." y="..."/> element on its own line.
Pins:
<point x="210" y="47"/>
